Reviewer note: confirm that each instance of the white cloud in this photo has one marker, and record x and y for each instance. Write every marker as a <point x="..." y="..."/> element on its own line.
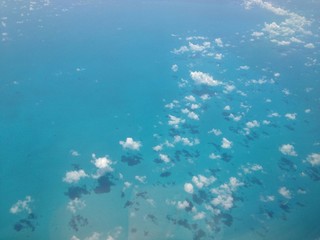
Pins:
<point x="22" y="205"/>
<point x="94" y="236"/>
<point x="218" y="56"/>
<point x="103" y="164"/>
<point x="291" y="116"/>
<point x="214" y="156"/>
<point x="193" y="115"/>
<point x="216" y="132"/>
<point x="257" y="34"/>
<point x="141" y="179"/>
<point x="75" y="204"/>
<point x="226" y="143"/>
<point x="74" y="176"/>
<point x="199" y="216"/>
<point x="269" y="198"/>
<point x="188" y="187"/>
<point x="164" y="158"/>
<point x="190" y="98"/>
<point x="227" y="108"/>
<point x="186" y="141"/>
<point x="245" y="67"/>
<point x="288" y="149"/>
<point x="74" y="153"/>
<point x="181" y="50"/>
<point x="201" y="181"/>
<point x="219" y="42"/>
<point x="199" y="48"/>
<point x="130" y="144"/>
<point x="183" y="205"/>
<point x="195" y="106"/>
<point x="205" y="97"/>
<point x="175" y="121"/>
<point x="234" y="183"/>
<point x="283" y="191"/>
<point x="229" y="88"/>
<point x="314" y="159"/>
<point x="309" y="45"/>
<point x="203" y="78"/>
<point x="253" y="124"/>
<point x="174" y="68"/>
<point x="235" y="118"/>
<point x="74" y="238"/>
<point x="157" y="148"/>
<point x="252" y="168"/>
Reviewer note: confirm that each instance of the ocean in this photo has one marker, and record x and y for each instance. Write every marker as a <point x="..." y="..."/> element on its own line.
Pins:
<point x="157" y="119"/>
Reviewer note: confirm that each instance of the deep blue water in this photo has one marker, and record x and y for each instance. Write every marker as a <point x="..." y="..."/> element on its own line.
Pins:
<point x="79" y="78"/>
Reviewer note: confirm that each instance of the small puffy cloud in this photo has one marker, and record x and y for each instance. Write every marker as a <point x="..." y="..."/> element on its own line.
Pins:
<point x="102" y="162"/>
<point x="199" y="216"/>
<point x="22" y="205"/>
<point x="205" y="97"/>
<point x="309" y="45"/>
<point x="235" y="118"/>
<point x="141" y="179"/>
<point x="181" y="50"/>
<point x="198" y="47"/>
<point x="276" y="74"/>
<point x="226" y="143"/>
<point x="203" y="78"/>
<point x="193" y="115"/>
<point x="216" y="132"/>
<point x="219" y="42"/>
<point x="283" y="191"/>
<point x="227" y="108"/>
<point x="288" y="149"/>
<point x="214" y="156"/>
<point x="269" y="198"/>
<point x="130" y="144"/>
<point x="74" y="238"/>
<point x="253" y="124"/>
<point x="183" y="205"/>
<point x="314" y="159"/>
<point x="190" y="98"/>
<point x="74" y="153"/>
<point x="257" y="34"/>
<point x="201" y="181"/>
<point x="188" y="187"/>
<point x="291" y="116"/>
<point x="186" y="141"/>
<point x="175" y="121"/>
<point x="245" y="67"/>
<point x="234" y="183"/>
<point x="252" y="168"/>
<point x="195" y="106"/>
<point x="94" y="236"/>
<point x="76" y="204"/>
<point x="157" y="148"/>
<point x="74" y="176"/>
<point x="174" y="68"/>
<point x="224" y="200"/>
<point x="218" y="56"/>
<point x="164" y="158"/>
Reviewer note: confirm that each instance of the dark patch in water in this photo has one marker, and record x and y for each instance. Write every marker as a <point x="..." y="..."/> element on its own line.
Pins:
<point x="313" y="173"/>
<point x="193" y="129"/>
<point x="199" y="235"/>
<point x="286" y="165"/>
<point x="152" y="218"/>
<point x="165" y="174"/>
<point x="26" y="223"/>
<point x="226" y="157"/>
<point x="284" y="206"/>
<point x="104" y="184"/>
<point x="78" y="221"/>
<point x="131" y="160"/>
<point x="76" y="192"/>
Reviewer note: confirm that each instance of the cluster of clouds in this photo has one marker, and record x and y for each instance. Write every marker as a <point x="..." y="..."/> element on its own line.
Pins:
<point x="22" y="206"/>
<point x="285" y="32"/>
<point x="112" y="235"/>
<point x="225" y="192"/>
<point x="202" y="78"/>
<point x="75" y="205"/>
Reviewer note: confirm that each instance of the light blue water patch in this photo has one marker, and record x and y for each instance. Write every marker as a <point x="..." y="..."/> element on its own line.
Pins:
<point x="159" y="120"/>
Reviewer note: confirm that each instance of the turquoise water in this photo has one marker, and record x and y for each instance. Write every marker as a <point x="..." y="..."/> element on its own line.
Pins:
<point x="81" y="77"/>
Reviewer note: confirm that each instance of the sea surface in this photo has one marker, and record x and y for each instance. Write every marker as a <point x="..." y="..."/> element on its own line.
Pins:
<point x="158" y="119"/>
